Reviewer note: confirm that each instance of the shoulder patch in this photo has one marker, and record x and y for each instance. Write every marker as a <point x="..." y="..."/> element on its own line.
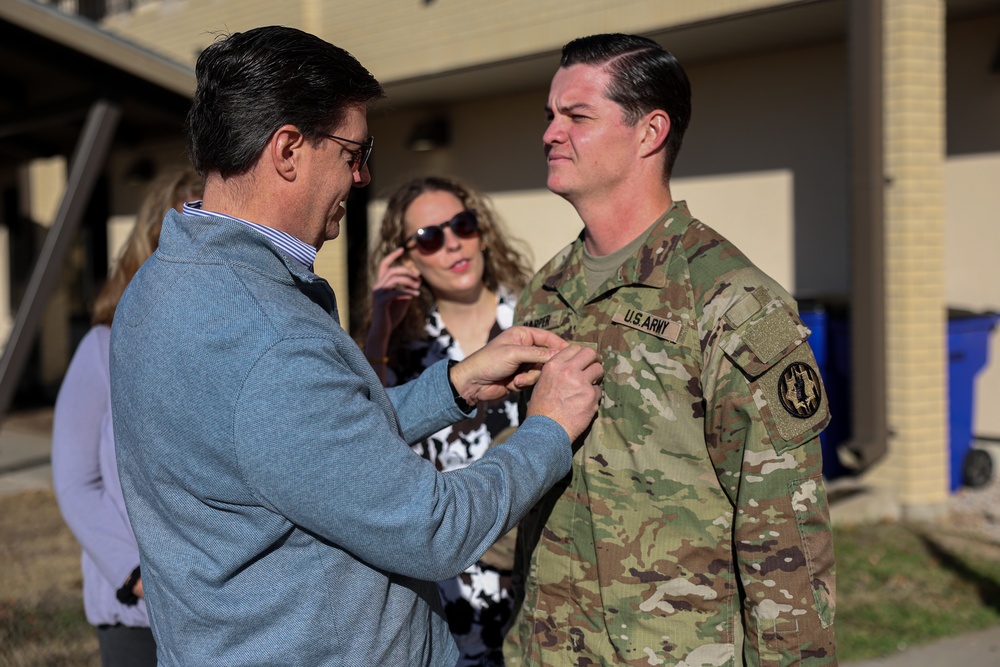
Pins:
<point x="799" y="390"/>
<point x="794" y="396"/>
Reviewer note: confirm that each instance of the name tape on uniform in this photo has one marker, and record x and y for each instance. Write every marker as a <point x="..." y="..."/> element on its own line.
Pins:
<point x="660" y="327"/>
<point x="539" y="322"/>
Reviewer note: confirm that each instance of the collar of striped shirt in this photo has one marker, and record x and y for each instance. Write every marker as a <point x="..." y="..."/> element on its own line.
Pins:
<point x="299" y="250"/>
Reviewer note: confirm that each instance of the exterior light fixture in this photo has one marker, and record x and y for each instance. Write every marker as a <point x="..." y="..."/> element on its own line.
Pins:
<point x="430" y="135"/>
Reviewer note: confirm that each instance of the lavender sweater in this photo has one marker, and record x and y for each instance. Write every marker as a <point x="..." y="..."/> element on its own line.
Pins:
<point x="85" y="477"/>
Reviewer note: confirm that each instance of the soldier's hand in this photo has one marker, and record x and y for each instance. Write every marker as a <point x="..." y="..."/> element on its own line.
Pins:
<point x="569" y="389"/>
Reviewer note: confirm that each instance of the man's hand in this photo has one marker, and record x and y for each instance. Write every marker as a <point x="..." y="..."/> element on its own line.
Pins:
<point x="568" y="390"/>
<point x="510" y="362"/>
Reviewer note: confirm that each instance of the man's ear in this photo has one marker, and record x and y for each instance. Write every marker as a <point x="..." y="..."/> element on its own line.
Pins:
<point x="284" y="149"/>
<point x="656" y="129"/>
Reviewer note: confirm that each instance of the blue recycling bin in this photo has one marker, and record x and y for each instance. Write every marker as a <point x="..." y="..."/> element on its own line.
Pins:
<point x="829" y="343"/>
<point x="968" y="351"/>
<point x="968" y="348"/>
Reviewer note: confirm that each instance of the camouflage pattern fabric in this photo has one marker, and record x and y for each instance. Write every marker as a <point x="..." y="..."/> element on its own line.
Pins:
<point x="694" y="527"/>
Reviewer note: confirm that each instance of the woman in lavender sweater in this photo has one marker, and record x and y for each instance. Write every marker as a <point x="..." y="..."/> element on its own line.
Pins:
<point x="84" y="471"/>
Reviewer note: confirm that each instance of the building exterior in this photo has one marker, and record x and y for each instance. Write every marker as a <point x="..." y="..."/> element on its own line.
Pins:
<point x="81" y="110"/>
<point x="850" y="147"/>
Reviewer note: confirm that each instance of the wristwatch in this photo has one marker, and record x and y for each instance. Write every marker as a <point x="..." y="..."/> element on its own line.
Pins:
<point x="462" y="404"/>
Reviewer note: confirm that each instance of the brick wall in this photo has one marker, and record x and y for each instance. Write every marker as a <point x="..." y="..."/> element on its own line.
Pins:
<point x="916" y="327"/>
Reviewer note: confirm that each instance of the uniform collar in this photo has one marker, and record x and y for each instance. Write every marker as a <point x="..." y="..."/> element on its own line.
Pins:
<point x="647" y="267"/>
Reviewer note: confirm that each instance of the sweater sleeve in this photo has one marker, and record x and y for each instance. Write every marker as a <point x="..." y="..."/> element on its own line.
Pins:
<point x="81" y="429"/>
<point x="338" y="466"/>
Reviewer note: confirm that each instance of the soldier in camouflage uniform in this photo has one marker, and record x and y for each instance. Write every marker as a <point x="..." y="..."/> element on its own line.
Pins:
<point x="694" y="527"/>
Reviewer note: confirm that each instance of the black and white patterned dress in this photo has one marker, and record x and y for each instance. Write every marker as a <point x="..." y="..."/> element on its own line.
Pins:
<point x="479" y="603"/>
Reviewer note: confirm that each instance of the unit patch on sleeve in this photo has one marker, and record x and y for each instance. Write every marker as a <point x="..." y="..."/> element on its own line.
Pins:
<point x="792" y="393"/>
<point x="799" y="390"/>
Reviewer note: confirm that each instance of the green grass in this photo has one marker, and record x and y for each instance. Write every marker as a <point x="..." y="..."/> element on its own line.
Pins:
<point x="901" y="585"/>
<point x="898" y="585"/>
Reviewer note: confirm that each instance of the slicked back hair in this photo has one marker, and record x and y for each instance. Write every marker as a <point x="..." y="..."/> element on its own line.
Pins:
<point x="251" y="83"/>
<point x="644" y="77"/>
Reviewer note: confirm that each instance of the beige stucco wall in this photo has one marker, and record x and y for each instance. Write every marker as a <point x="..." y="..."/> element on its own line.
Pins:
<point x="729" y="202"/>
<point x="972" y="195"/>
<point x="182" y="28"/>
<point x="972" y="251"/>
<point x="331" y="264"/>
<point x="46" y="184"/>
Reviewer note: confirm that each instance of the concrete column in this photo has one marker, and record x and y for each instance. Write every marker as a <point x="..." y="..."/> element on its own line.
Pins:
<point x="916" y="467"/>
<point x="46" y="187"/>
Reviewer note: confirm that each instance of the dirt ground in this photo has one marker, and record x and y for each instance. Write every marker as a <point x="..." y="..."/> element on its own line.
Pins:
<point x="41" y="605"/>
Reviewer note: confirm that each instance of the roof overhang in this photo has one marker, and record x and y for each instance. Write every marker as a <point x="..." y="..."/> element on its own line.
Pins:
<point x="72" y="89"/>
<point x="747" y="33"/>
<point x="53" y="66"/>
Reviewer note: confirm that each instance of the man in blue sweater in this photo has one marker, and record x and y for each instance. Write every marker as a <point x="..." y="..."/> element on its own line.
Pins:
<point x="281" y="517"/>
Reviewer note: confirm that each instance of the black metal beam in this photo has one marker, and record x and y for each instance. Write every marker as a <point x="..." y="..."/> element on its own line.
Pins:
<point x="869" y="441"/>
<point x="88" y="161"/>
<point x="56" y="112"/>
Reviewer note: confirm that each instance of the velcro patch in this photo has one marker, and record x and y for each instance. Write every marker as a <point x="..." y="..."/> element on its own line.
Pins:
<point x="771" y="335"/>
<point x="661" y="327"/>
<point x="747" y="307"/>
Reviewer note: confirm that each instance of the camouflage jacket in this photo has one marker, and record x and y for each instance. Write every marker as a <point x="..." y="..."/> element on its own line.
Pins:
<point x="694" y="527"/>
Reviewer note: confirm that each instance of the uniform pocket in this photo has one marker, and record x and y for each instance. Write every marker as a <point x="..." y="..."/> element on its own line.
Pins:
<point x="812" y="517"/>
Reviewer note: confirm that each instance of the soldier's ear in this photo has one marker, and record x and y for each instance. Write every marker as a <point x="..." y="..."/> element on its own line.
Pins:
<point x="654" y="128"/>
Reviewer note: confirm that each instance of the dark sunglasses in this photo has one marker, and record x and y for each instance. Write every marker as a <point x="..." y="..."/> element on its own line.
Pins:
<point x="429" y="240"/>
<point x="359" y="157"/>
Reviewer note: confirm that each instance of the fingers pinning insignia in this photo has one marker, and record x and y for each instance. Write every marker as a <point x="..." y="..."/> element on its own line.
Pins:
<point x="799" y="390"/>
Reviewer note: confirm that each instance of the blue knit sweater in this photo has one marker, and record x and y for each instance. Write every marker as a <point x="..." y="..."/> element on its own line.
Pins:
<point x="281" y="517"/>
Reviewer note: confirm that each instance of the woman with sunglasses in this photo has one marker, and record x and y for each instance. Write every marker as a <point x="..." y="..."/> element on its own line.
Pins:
<point x="446" y="280"/>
